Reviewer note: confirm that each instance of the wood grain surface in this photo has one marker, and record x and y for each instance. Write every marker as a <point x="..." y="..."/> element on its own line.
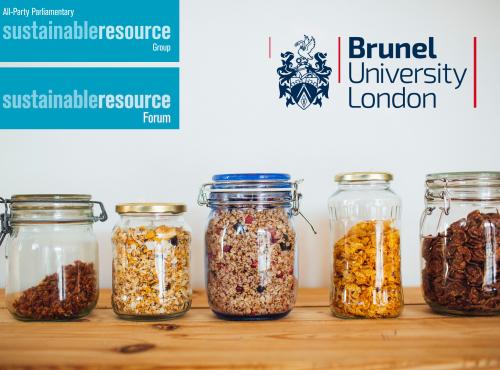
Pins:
<point x="310" y="337"/>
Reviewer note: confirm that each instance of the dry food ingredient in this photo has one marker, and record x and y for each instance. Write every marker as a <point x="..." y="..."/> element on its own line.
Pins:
<point x="63" y="296"/>
<point x="151" y="271"/>
<point x="366" y="272"/>
<point x="462" y="266"/>
<point x="251" y="262"/>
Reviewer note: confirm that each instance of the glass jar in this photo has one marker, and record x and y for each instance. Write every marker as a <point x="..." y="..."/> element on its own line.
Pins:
<point x="460" y="241"/>
<point x="52" y="256"/>
<point x="364" y="223"/>
<point x="151" y="261"/>
<point x="251" y="248"/>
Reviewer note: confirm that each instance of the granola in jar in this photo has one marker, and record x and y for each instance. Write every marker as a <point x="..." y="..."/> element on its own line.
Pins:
<point x="251" y="248"/>
<point x="251" y="262"/>
<point x="151" y="267"/>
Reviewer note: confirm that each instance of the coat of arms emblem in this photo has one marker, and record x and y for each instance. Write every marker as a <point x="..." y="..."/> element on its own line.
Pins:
<point x="304" y="82"/>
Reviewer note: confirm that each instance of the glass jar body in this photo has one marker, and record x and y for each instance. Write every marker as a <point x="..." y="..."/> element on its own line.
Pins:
<point x="251" y="262"/>
<point x="365" y="263"/>
<point x="151" y="267"/>
<point x="461" y="257"/>
<point x="52" y="271"/>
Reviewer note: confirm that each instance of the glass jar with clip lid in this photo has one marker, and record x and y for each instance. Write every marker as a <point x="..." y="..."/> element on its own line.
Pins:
<point x="52" y="255"/>
<point x="251" y="245"/>
<point x="460" y="241"/>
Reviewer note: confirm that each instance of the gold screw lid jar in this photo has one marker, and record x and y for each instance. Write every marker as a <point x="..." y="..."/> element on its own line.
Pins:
<point x="151" y="261"/>
<point x="151" y="208"/>
<point x="358" y="177"/>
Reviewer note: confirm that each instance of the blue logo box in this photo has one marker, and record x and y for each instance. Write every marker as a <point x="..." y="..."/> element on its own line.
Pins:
<point x="89" y="98"/>
<point x="90" y="30"/>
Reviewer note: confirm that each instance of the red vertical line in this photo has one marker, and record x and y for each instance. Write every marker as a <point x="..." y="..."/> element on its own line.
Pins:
<point x="269" y="47"/>
<point x="338" y="59"/>
<point x="475" y="72"/>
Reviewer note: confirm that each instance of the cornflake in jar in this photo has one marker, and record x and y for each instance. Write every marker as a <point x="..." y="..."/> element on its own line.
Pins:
<point x="366" y="272"/>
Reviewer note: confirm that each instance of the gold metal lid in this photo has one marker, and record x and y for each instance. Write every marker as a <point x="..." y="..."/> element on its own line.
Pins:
<point x="363" y="176"/>
<point x="169" y="208"/>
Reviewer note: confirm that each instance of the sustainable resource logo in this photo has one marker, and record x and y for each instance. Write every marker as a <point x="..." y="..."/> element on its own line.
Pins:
<point x="89" y="98"/>
<point x="305" y="81"/>
<point x="89" y="31"/>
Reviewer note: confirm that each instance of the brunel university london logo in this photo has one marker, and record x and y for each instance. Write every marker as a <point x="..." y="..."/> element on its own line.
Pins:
<point x="304" y="82"/>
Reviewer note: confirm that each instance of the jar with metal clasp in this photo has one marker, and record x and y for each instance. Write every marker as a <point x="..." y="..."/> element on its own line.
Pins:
<point x="52" y="255"/>
<point x="460" y="242"/>
<point x="251" y="245"/>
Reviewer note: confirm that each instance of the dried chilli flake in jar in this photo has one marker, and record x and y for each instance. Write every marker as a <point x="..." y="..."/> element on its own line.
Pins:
<point x="251" y="262"/>
<point x="151" y="264"/>
<point x="43" y="301"/>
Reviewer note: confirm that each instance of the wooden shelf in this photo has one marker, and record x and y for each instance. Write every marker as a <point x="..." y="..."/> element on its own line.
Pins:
<point x="310" y="337"/>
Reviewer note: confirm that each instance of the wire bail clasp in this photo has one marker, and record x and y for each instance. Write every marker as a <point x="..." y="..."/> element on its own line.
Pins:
<point x="296" y="197"/>
<point x="103" y="216"/>
<point x="5" y="227"/>
<point x="203" y="194"/>
<point x="444" y="195"/>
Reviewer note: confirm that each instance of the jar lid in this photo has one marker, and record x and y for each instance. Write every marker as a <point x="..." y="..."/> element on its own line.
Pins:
<point x="463" y="176"/>
<point x="251" y="189"/>
<point x="167" y="208"/>
<point x="251" y="177"/>
<point x="468" y="186"/>
<point x="34" y="209"/>
<point x="252" y="181"/>
<point x="363" y="177"/>
<point x="36" y="202"/>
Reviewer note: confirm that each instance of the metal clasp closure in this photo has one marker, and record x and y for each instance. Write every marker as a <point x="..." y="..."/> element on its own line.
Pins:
<point x="103" y="216"/>
<point x="203" y="194"/>
<point x="205" y="189"/>
<point x="297" y="196"/>
<point x="444" y="195"/>
<point x="5" y="228"/>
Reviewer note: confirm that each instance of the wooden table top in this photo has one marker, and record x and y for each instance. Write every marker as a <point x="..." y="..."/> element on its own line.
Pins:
<point x="310" y="337"/>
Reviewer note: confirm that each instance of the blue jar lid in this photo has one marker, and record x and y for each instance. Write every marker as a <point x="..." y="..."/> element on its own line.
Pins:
<point x="251" y="177"/>
<point x="240" y="189"/>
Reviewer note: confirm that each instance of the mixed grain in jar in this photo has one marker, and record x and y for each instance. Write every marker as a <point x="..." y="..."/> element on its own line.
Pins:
<point x="151" y="261"/>
<point x="365" y="238"/>
<point x="251" y="249"/>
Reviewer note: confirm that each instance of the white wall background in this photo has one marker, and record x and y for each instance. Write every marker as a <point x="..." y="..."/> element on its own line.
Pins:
<point x="232" y="120"/>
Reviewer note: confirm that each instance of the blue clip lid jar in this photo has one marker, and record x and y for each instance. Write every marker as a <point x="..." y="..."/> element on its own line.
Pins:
<point x="251" y="249"/>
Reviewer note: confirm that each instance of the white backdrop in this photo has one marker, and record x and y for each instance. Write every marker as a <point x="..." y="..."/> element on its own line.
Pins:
<point x="232" y="120"/>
